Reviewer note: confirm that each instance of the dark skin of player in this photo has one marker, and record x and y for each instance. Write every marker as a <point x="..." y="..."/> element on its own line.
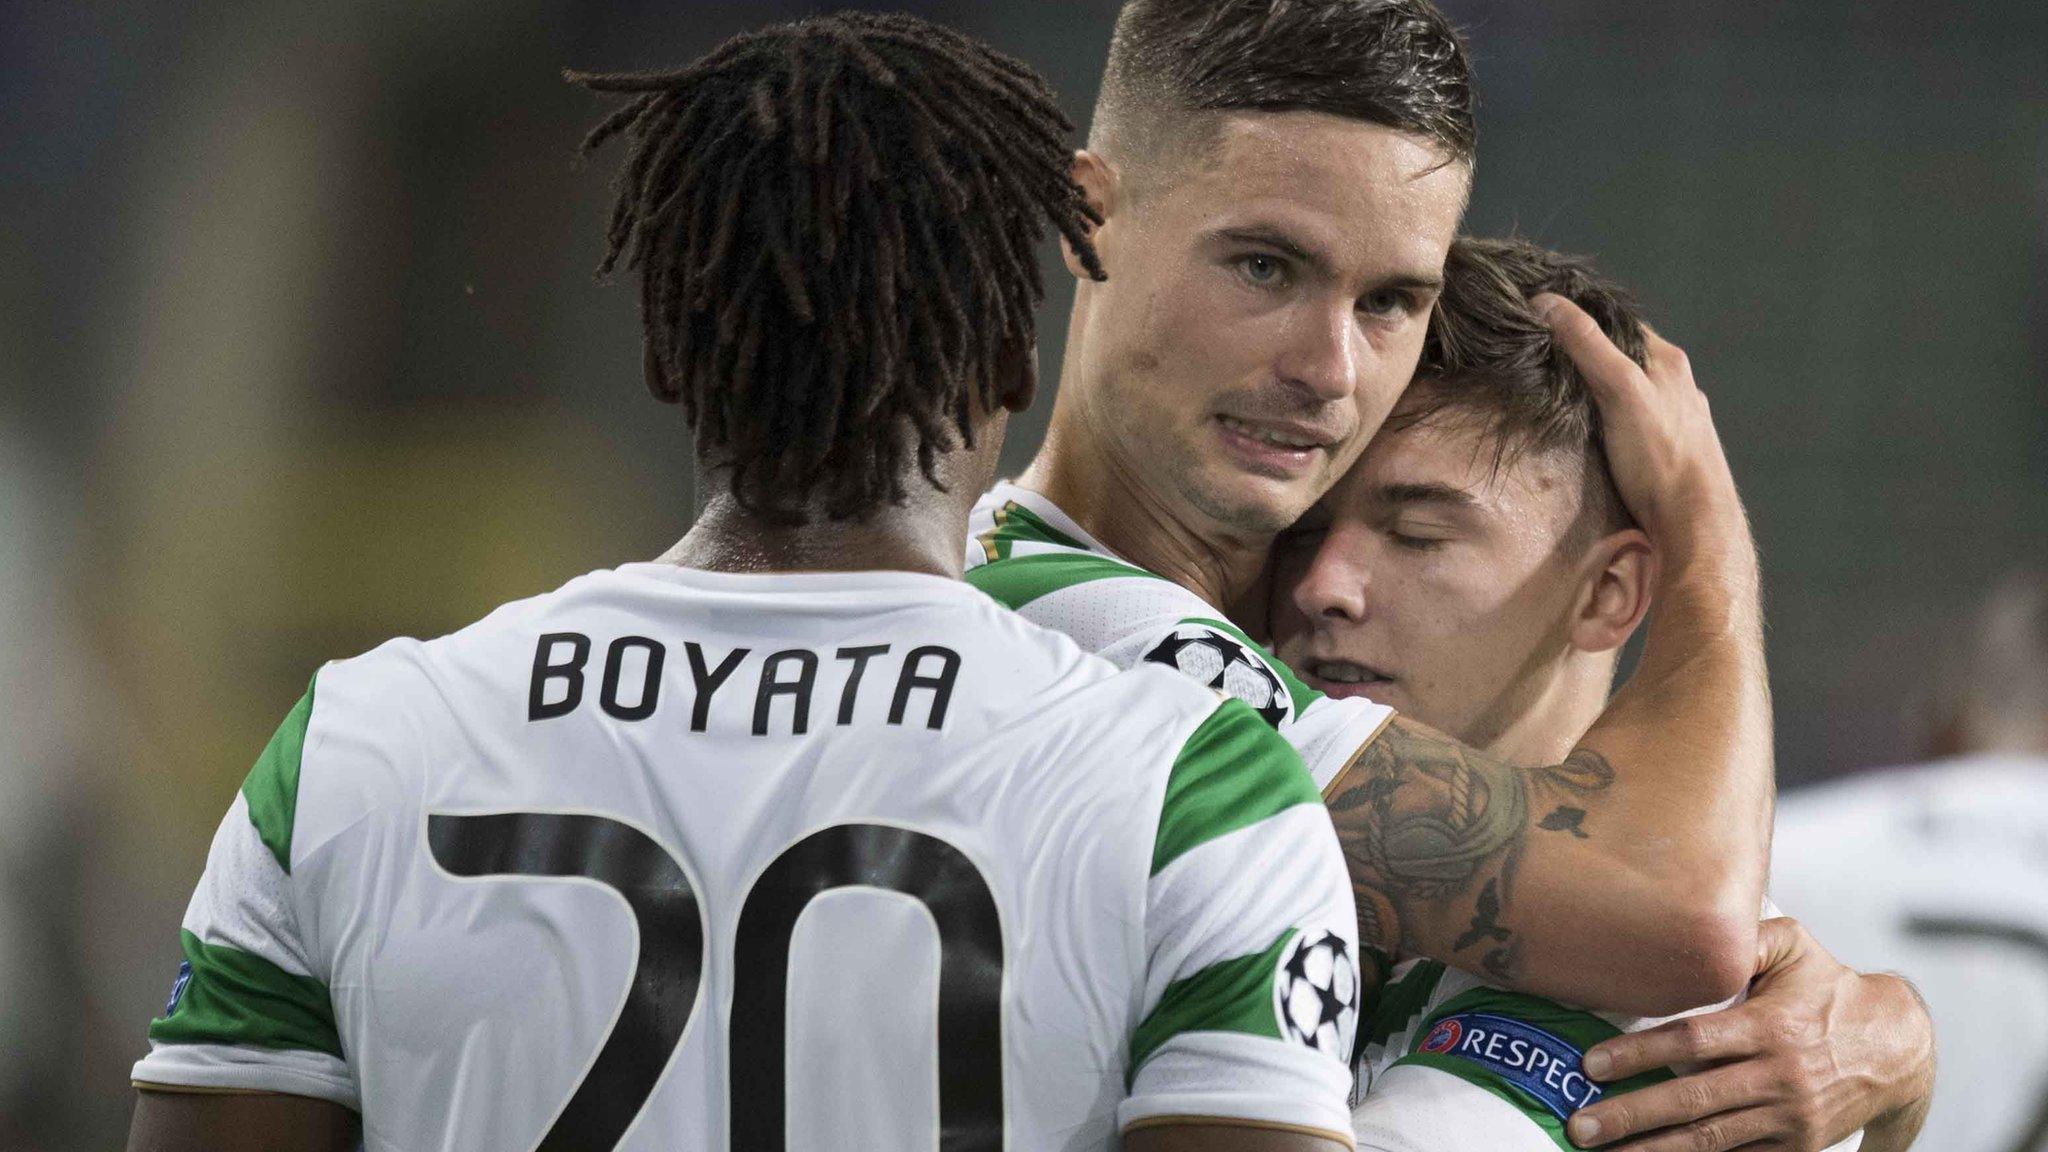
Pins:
<point x="241" y="1122"/>
<point x="922" y="534"/>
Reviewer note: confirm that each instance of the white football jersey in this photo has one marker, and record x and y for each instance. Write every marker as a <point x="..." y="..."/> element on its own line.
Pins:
<point x="1514" y="1078"/>
<point x="676" y="859"/>
<point x="1037" y="561"/>
<point x="1940" y="873"/>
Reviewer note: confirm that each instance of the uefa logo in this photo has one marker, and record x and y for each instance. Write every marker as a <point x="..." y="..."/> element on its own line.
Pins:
<point x="1443" y="1037"/>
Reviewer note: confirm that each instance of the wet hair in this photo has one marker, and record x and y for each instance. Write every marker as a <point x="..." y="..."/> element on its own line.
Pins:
<point x="833" y="221"/>
<point x="1397" y="63"/>
<point x="1490" y="357"/>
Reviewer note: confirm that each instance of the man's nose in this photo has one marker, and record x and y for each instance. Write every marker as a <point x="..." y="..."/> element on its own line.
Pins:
<point x="1335" y="587"/>
<point x="1323" y="355"/>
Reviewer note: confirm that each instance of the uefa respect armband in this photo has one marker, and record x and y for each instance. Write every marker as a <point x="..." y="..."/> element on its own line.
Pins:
<point x="1546" y="1067"/>
<point x="1524" y="1049"/>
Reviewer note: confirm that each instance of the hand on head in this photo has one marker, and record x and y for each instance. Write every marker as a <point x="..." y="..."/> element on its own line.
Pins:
<point x="1662" y="449"/>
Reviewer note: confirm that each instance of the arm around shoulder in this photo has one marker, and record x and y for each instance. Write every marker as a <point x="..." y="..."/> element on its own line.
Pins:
<point x="1578" y="881"/>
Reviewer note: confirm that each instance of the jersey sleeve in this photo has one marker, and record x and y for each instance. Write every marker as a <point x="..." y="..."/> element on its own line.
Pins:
<point x="1251" y="996"/>
<point x="247" y="1011"/>
<point x="1129" y="616"/>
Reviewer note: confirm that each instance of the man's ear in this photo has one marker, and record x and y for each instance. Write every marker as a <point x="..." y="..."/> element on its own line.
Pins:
<point x="1614" y="590"/>
<point x="1098" y="180"/>
<point x="1017" y="377"/>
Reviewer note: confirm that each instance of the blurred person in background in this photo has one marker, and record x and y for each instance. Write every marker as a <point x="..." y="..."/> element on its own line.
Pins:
<point x="45" y="739"/>
<point x="1940" y="872"/>
<point x="1477" y="570"/>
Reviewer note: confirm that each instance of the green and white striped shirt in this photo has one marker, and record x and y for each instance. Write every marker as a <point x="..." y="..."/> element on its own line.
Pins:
<point x="617" y="864"/>
<point x="1035" y="560"/>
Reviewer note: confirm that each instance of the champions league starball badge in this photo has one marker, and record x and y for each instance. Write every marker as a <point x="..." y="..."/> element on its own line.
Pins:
<point x="1213" y="657"/>
<point x="1315" y="993"/>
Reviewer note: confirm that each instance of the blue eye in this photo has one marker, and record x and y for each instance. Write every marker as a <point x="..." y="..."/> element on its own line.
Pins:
<point x="1260" y="269"/>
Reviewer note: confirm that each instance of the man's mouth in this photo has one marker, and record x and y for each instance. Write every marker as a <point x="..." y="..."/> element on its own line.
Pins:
<point x="1343" y="677"/>
<point x="1279" y="449"/>
<point x="1280" y="435"/>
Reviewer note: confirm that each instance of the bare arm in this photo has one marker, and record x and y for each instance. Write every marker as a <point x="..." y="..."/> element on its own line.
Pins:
<point x="1629" y="876"/>
<point x="1200" y="1136"/>
<point x="240" y="1122"/>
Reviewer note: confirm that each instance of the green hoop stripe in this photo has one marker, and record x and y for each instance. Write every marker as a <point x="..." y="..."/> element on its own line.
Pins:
<point x="1401" y="1001"/>
<point x="272" y="787"/>
<point x="1227" y="996"/>
<point x="235" y="997"/>
<point x="1017" y="582"/>
<point x="1233" y="772"/>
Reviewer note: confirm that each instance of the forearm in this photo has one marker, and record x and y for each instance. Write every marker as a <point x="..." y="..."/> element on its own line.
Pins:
<point x="1691" y="730"/>
<point x="1530" y="877"/>
<point x="1685" y="830"/>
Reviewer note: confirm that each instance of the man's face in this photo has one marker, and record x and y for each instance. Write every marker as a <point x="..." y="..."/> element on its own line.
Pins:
<point x="1266" y="305"/>
<point x="1429" y="582"/>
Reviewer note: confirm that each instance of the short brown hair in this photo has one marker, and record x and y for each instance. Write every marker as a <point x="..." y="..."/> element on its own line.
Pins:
<point x="1490" y="356"/>
<point x="1397" y="63"/>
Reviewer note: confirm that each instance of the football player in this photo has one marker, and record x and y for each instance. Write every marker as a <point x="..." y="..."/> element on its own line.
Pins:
<point x="1278" y="185"/>
<point x="1476" y="569"/>
<point x="789" y="838"/>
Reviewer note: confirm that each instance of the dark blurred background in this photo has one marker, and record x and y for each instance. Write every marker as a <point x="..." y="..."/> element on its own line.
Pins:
<point x="299" y="349"/>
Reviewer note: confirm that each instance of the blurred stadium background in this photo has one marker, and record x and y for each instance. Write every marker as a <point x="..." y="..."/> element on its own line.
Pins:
<point x="299" y="350"/>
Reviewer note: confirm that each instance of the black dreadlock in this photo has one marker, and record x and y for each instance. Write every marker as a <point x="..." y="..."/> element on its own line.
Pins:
<point x="833" y="222"/>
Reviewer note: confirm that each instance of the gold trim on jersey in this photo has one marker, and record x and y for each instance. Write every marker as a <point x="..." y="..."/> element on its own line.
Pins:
<point x="1238" y="1122"/>
<point x="1330" y="789"/>
<point x="987" y="539"/>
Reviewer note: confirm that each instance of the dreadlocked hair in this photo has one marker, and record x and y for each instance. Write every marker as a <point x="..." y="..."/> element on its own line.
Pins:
<point x="834" y="222"/>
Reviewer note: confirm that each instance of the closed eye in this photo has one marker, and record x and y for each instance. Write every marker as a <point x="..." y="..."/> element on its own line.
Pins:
<point x="1417" y="543"/>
